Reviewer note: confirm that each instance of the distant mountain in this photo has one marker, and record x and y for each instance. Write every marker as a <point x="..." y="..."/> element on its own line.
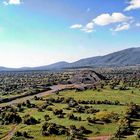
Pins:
<point x="54" y="66"/>
<point x="127" y="57"/>
<point x="3" y="68"/>
<point x="57" y="65"/>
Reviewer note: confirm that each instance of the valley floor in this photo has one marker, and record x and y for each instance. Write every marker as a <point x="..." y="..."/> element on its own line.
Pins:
<point x="98" y="130"/>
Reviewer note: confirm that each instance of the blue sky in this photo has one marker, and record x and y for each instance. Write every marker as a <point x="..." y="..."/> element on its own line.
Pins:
<point x="41" y="32"/>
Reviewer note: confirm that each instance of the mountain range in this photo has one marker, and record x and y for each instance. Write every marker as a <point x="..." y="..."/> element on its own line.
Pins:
<point x="127" y="57"/>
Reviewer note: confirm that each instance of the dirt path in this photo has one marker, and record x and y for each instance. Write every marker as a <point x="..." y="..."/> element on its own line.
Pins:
<point x="54" y="89"/>
<point x="10" y="134"/>
<point x="100" y="138"/>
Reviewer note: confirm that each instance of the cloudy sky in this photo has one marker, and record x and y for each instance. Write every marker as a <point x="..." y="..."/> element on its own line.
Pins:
<point x="41" y="32"/>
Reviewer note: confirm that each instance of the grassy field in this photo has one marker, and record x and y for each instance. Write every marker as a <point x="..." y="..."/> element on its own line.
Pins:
<point x="124" y="97"/>
<point x="4" y="129"/>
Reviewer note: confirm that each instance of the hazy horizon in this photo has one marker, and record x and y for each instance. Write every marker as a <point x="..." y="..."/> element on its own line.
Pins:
<point x="38" y="32"/>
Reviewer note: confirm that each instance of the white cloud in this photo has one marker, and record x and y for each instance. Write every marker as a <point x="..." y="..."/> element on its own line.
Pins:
<point x="12" y="2"/>
<point x="121" y="27"/>
<point x="90" y="25"/>
<point x="138" y="24"/>
<point x="106" y="19"/>
<point x="88" y="28"/>
<point x="76" y="26"/>
<point x="133" y="4"/>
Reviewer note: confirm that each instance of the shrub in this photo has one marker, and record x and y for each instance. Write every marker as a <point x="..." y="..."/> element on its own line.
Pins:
<point x="49" y="108"/>
<point x="47" y="118"/>
<point x="138" y="133"/>
<point x="124" y="127"/>
<point x="78" y="133"/>
<point x="58" y="111"/>
<point x="106" y="116"/>
<point x="52" y="128"/>
<point x="9" y="117"/>
<point x="23" y="134"/>
<point x="91" y="120"/>
<point x="72" y="117"/>
<point x="30" y="120"/>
